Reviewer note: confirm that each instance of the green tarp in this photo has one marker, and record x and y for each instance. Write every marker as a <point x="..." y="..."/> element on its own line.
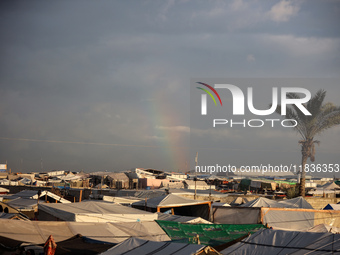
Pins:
<point x="209" y="234"/>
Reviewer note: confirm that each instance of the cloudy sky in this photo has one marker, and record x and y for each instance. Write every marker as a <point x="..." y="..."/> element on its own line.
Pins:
<point x="105" y="85"/>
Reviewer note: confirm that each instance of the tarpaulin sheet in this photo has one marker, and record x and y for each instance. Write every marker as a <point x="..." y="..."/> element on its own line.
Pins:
<point x="209" y="234"/>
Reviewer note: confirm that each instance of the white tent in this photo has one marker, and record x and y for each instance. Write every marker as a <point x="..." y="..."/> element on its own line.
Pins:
<point x="269" y="241"/>
<point x="37" y="232"/>
<point x="298" y="202"/>
<point x="135" y="246"/>
<point x="93" y="211"/>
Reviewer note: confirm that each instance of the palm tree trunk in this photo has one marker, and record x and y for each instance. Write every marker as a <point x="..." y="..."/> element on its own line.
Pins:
<point x="302" y="190"/>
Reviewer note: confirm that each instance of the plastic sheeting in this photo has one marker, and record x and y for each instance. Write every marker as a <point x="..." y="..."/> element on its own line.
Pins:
<point x="236" y="215"/>
<point x="269" y="241"/>
<point x="209" y="234"/>
<point x="332" y="207"/>
<point x="298" y="202"/>
<point x="167" y="201"/>
<point x="282" y="218"/>
<point x="37" y="232"/>
<point x="93" y="211"/>
<point x="135" y="246"/>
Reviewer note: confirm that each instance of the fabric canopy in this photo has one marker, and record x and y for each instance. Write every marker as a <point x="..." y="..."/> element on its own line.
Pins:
<point x="37" y="232"/>
<point x="135" y="246"/>
<point x="298" y="202"/>
<point x="93" y="211"/>
<point x="208" y="234"/>
<point x="332" y="207"/>
<point x="168" y="201"/>
<point x="269" y="241"/>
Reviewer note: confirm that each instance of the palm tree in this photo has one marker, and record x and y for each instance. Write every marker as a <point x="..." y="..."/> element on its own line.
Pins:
<point x="324" y="116"/>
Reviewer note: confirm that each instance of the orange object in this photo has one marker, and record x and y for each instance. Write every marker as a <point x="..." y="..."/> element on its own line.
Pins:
<point x="50" y="246"/>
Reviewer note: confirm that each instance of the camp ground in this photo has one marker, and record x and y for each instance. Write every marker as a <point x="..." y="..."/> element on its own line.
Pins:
<point x="107" y="221"/>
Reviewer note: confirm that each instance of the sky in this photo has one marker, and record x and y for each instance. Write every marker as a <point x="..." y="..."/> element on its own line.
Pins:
<point x="105" y="85"/>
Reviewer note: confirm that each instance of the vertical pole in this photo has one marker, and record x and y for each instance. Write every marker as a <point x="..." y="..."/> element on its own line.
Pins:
<point x="196" y="160"/>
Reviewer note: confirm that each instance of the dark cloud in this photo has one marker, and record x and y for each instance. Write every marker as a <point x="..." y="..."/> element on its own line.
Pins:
<point x="114" y="72"/>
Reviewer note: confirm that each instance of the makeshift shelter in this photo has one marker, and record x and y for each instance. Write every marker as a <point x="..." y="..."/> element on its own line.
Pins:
<point x="33" y="194"/>
<point x="93" y="211"/>
<point x="324" y="228"/>
<point x="279" y="218"/>
<point x="239" y="201"/>
<point x="209" y="234"/>
<point x="3" y="191"/>
<point x="332" y="207"/>
<point x="135" y="246"/>
<point x="190" y="184"/>
<point x="298" y="202"/>
<point x="269" y="241"/>
<point x="13" y="216"/>
<point x="330" y="186"/>
<point x="37" y="232"/>
<point x="178" y="206"/>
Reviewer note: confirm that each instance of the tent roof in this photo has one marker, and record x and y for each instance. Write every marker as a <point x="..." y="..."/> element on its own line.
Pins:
<point x="134" y="246"/>
<point x="269" y="241"/>
<point x="332" y="207"/>
<point x="329" y="186"/>
<point x="68" y="211"/>
<point x="23" y="203"/>
<point x="4" y="190"/>
<point x="209" y="234"/>
<point x="324" y="229"/>
<point x="240" y="200"/>
<point x="298" y="202"/>
<point x="168" y="201"/>
<point x="33" y="194"/>
<point x="37" y="232"/>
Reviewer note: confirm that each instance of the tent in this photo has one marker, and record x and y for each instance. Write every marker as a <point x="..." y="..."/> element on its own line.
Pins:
<point x="3" y="191"/>
<point x="332" y="207"/>
<point x="330" y="186"/>
<point x="326" y="189"/>
<point x="178" y="206"/>
<point x="208" y="234"/>
<point x="269" y="241"/>
<point x="135" y="246"/>
<point x="298" y="202"/>
<point x="33" y="194"/>
<point x="93" y="211"/>
<point x="239" y="201"/>
<point x="37" y="232"/>
<point x="324" y="229"/>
